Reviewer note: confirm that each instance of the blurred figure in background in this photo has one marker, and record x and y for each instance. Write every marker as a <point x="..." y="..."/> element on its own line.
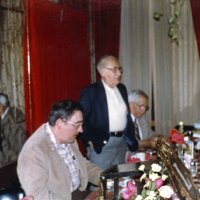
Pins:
<point x="12" y="130"/>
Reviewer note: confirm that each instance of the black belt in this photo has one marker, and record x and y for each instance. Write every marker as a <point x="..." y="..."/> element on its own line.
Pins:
<point x="116" y="134"/>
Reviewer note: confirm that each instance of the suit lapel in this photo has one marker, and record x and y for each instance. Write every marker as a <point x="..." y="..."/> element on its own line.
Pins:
<point x="102" y="102"/>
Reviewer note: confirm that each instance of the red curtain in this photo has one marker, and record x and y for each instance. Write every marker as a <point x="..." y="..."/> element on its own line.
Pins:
<point x="195" y="6"/>
<point x="106" y="21"/>
<point x="57" y="51"/>
<point x="56" y="57"/>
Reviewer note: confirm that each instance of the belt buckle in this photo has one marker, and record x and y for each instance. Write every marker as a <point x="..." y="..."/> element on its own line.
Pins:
<point x="116" y="133"/>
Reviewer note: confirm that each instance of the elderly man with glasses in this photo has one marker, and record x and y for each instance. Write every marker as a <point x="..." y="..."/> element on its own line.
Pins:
<point x="139" y="105"/>
<point x="108" y="129"/>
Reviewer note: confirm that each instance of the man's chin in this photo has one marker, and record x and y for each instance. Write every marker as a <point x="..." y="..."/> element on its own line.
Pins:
<point x="118" y="81"/>
<point x="73" y="140"/>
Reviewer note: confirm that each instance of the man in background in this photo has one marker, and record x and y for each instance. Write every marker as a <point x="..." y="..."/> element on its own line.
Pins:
<point x="139" y="105"/>
<point x="12" y="131"/>
<point x="108" y="128"/>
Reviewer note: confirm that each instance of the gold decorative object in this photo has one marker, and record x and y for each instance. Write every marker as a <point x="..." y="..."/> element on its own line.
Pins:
<point x="180" y="175"/>
<point x="101" y="190"/>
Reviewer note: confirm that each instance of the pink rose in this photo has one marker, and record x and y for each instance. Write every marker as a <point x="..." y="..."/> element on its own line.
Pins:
<point x="158" y="183"/>
<point x="127" y="194"/>
<point x="131" y="186"/>
<point x="130" y="190"/>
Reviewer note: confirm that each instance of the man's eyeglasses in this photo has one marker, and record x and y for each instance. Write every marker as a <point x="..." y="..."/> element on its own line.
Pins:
<point x="115" y="69"/>
<point x="75" y="124"/>
<point x="142" y="107"/>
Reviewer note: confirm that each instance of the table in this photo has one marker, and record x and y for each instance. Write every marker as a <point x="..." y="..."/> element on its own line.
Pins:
<point x="111" y="195"/>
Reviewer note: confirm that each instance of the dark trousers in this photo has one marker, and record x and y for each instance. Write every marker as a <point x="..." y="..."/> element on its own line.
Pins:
<point x="80" y="195"/>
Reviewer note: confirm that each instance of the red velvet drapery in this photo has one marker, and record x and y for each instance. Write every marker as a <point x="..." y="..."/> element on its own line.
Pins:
<point x="195" y="6"/>
<point x="57" y="50"/>
<point x="56" y="57"/>
<point x="106" y="21"/>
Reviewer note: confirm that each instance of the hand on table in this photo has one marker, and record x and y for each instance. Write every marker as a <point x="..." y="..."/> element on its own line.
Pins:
<point x="154" y="140"/>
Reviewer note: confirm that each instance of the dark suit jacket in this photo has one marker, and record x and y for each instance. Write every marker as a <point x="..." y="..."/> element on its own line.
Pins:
<point x="96" y="126"/>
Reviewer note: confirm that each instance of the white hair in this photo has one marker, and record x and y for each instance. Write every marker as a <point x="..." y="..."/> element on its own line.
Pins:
<point x="135" y="94"/>
<point x="4" y="100"/>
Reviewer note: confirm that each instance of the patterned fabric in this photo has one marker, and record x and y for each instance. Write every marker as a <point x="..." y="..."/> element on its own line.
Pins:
<point x="65" y="151"/>
<point x="12" y="135"/>
<point x="137" y="135"/>
<point x="144" y="129"/>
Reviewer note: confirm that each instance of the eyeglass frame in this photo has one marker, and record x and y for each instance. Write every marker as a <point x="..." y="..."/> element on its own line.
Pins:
<point x="75" y="124"/>
<point x="115" y="69"/>
<point x="146" y="108"/>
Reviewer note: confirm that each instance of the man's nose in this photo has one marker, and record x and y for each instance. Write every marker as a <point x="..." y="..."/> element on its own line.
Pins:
<point x="80" y="129"/>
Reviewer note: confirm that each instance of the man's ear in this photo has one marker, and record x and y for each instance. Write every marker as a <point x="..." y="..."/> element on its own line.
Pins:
<point x="101" y="72"/>
<point x="131" y="105"/>
<point x="59" y="123"/>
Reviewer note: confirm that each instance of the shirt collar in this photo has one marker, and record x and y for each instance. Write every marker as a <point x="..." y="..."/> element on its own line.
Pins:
<point x="107" y="87"/>
<point x="5" y="113"/>
<point x="133" y="117"/>
<point x="54" y="143"/>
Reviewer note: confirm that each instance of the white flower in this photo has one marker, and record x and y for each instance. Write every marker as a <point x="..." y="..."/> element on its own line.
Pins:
<point x="152" y="193"/>
<point x="143" y="176"/>
<point x="139" y="197"/>
<point x="141" y="167"/>
<point x="147" y="184"/>
<point x="151" y="196"/>
<point x="155" y="167"/>
<point x="166" y="191"/>
<point x="153" y="176"/>
<point x="164" y="177"/>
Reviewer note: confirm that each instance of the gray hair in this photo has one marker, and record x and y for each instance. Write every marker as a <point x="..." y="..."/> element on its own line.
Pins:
<point x="135" y="94"/>
<point x="4" y="100"/>
<point x="103" y="61"/>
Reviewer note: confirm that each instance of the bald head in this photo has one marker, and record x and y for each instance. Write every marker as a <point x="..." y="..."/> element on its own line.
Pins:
<point x="110" y="70"/>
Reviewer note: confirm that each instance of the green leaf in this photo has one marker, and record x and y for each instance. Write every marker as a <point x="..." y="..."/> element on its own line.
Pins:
<point x="171" y="32"/>
<point x="157" y="15"/>
<point x="152" y="186"/>
<point x="171" y="19"/>
<point x="173" y="1"/>
<point x="177" y="13"/>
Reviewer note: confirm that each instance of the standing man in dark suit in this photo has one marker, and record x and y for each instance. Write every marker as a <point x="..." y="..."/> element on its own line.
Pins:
<point x="108" y="128"/>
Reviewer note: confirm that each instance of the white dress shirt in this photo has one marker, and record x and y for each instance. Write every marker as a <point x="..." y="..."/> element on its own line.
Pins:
<point x="117" y="109"/>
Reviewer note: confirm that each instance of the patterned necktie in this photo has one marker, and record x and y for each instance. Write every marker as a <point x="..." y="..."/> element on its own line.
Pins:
<point x="137" y="135"/>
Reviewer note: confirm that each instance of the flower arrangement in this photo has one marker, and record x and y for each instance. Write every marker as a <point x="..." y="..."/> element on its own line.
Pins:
<point x="176" y="137"/>
<point x="154" y="185"/>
